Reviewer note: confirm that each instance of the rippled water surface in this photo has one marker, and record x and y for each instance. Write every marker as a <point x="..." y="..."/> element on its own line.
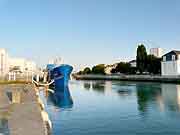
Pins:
<point x="114" y="108"/>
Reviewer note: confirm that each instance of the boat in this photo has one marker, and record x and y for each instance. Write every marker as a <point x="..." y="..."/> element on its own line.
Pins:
<point x="60" y="73"/>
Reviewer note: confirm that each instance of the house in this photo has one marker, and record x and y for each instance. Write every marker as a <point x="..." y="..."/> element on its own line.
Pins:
<point x="170" y="64"/>
<point x="132" y="63"/>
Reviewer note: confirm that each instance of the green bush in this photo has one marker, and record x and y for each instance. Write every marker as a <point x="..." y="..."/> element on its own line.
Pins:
<point x="98" y="69"/>
<point x="87" y="70"/>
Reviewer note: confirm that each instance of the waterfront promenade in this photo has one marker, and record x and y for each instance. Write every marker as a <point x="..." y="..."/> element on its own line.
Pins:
<point x="145" y="78"/>
<point x="20" y="112"/>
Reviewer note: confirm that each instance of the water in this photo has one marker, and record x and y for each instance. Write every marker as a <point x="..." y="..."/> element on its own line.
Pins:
<point x="114" y="108"/>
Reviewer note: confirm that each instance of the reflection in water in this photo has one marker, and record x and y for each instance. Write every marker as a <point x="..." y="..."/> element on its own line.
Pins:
<point x="164" y="96"/>
<point x="105" y="87"/>
<point x="143" y="108"/>
<point x="171" y="96"/>
<point x="87" y="85"/>
<point x="123" y="93"/>
<point x="160" y="95"/>
<point x="146" y="93"/>
<point x="98" y="86"/>
<point x="123" y="89"/>
<point x="61" y="98"/>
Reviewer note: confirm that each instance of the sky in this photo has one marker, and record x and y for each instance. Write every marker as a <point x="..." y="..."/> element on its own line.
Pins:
<point x="87" y="32"/>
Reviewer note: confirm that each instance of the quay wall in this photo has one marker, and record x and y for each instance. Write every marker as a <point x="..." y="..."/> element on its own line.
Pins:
<point x="143" y="78"/>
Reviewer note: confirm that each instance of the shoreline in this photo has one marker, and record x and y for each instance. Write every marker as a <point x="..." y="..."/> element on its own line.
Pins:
<point x="137" y="78"/>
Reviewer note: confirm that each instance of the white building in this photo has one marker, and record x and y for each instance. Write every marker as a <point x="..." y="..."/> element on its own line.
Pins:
<point x="158" y="52"/>
<point x="170" y="64"/>
<point x="21" y="64"/>
<point x="17" y="63"/>
<point x="4" y="67"/>
<point x="30" y="66"/>
<point x="8" y="64"/>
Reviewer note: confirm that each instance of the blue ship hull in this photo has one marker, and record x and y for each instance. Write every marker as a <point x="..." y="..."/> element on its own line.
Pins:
<point x="60" y="75"/>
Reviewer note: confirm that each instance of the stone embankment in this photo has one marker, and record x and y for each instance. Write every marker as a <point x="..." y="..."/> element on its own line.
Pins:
<point x="145" y="78"/>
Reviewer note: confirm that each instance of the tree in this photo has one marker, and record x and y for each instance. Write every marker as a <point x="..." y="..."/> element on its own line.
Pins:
<point x="132" y="70"/>
<point x="87" y="70"/>
<point x="80" y="72"/>
<point x="141" y="58"/>
<point x="98" y="69"/>
<point x="153" y="64"/>
<point x="124" y="67"/>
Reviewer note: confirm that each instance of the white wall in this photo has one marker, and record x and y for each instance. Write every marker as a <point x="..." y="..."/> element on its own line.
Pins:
<point x="23" y="64"/>
<point x="17" y="62"/>
<point x="170" y="67"/>
<point x="158" y="52"/>
<point x="178" y="67"/>
<point x="30" y="66"/>
<point x="4" y="67"/>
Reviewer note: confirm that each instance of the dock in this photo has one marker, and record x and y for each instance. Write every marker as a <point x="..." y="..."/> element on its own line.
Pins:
<point x="138" y="78"/>
<point x="20" y="111"/>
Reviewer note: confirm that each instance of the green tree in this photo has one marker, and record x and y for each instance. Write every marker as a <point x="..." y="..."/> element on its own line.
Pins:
<point x="141" y="58"/>
<point x="124" y="67"/>
<point x="132" y="70"/>
<point x="98" y="69"/>
<point x="153" y="64"/>
<point x="87" y="70"/>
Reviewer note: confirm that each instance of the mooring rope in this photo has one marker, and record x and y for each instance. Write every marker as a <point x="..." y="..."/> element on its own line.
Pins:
<point x="43" y="84"/>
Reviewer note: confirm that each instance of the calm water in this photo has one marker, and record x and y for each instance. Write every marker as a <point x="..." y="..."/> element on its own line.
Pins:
<point x="114" y="108"/>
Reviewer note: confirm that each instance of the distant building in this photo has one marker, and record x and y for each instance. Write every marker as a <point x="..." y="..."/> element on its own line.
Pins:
<point x="30" y="66"/>
<point x="158" y="52"/>
<point x="133" y="63"/>
<point x="21" y="64"/>
<point x="4" y="67"/>
<point x="108" y="68"/>
<point x="170" y="64"/>
<point x="17" y="64"/>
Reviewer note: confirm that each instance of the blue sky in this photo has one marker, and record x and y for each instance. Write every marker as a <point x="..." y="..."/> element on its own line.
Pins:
<point x="87" y="32"/>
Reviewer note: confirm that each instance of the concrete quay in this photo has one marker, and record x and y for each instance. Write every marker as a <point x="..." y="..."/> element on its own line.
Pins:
<point x="141" y="78"/>
<point x="20" y="111"/>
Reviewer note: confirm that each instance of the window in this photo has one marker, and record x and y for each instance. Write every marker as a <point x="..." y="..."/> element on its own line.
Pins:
<point x="164" y="58"/>
<point x="173" y="57"/>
